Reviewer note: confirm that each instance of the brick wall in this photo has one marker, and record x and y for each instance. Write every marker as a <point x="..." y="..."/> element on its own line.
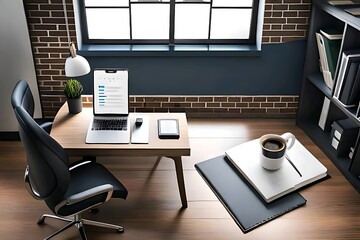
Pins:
<point x="285" y="20"/>
<point x="214" y="106"/>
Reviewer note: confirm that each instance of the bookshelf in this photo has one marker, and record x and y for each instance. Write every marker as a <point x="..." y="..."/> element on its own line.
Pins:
<point x="314" y="89"/>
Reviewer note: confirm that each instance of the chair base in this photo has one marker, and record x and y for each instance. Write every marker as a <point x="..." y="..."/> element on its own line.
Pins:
<point x="79" y="223"/>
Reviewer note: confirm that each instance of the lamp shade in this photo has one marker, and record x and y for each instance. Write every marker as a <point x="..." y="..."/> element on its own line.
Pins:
<point x="76" y="66"/>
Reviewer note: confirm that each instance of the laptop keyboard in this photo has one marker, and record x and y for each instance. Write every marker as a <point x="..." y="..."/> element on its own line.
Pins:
<point x="110" y="124"/>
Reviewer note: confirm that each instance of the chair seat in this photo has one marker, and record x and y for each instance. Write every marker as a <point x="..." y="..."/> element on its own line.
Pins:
<point x="87" y="176"/>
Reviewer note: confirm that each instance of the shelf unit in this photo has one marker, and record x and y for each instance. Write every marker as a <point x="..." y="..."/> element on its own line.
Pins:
<point x="314" y="89"/>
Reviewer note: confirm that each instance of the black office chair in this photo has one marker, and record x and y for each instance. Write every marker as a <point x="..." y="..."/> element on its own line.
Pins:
<point x="22" y="97"/>
<point x="67" y="190"/>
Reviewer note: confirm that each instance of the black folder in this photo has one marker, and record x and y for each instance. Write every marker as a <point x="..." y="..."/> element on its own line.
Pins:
<point x="240" y="199"/>
<point x="350" y="92"/>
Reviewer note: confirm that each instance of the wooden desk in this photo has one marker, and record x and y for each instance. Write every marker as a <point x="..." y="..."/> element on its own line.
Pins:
<point x="70" y="131"/>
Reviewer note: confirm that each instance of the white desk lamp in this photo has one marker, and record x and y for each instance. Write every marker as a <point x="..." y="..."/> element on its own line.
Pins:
<point x="75" y="65"/>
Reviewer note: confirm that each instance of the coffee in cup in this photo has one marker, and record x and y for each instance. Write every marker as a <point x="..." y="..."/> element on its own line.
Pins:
<point x="273" y="149"/>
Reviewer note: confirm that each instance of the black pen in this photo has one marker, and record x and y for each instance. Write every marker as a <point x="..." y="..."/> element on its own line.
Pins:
<point x="292" y="164"/>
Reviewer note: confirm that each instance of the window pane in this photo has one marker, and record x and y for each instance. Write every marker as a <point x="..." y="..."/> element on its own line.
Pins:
<point x="192" y="21"/>
<point x="150" y="21"/>
<point x="107" y="3"/>
<point x="232" y="3"/>
<point x="108" y="23"/>
<point x="225" y="24"/>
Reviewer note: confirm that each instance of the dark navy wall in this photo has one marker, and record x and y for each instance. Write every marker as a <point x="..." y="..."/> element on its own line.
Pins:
<point x="277" y="70"/>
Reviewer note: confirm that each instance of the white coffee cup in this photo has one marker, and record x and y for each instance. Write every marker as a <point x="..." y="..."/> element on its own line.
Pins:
<point x="273" y="149"/>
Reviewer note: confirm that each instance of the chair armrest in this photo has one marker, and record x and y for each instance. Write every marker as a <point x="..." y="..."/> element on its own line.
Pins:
<point x="81" y="196"/>
<point x="91" y="193"/>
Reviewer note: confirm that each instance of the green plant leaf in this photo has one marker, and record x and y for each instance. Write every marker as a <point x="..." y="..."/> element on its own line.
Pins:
<point x="73" y="89"/>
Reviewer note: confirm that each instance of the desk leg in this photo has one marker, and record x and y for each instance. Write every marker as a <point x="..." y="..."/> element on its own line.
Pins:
<point x="180" y="180"/>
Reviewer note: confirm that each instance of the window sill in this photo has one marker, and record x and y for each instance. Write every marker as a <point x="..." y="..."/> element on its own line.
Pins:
<point x="167" y="51"/>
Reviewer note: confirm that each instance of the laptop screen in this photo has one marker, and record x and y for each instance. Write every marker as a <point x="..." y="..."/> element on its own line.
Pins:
<point x="111" y="93"/>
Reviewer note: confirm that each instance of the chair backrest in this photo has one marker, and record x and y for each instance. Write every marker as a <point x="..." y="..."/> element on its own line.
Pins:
<point x="22" y="97"/>
<point x="47" y="161"/>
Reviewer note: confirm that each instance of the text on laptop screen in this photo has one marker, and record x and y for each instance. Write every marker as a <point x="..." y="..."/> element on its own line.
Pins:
<point x="111" y="94"/>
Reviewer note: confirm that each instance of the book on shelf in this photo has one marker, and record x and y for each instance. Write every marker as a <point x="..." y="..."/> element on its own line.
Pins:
<point x="346" y="74"/>
<point x="332" y="42"/>
<point x="323" y="123"/>
<point x="350" y="92"/>
<point x="332" y="33"/>
<point x="329" y="42"/>
<point x="324" y="67"/>
<point x="272" y="185"/>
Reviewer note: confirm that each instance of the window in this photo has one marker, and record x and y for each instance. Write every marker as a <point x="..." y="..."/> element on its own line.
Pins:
<point x="169" y="21"/>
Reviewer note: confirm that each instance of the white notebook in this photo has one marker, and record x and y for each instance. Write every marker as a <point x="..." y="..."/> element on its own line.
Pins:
<point x="274" y="184"/>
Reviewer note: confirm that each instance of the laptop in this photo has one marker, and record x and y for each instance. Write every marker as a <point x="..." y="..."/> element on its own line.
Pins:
<point x="110" y="123"/>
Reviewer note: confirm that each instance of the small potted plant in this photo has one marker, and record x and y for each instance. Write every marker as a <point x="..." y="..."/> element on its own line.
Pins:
<point x="72" y="91"/>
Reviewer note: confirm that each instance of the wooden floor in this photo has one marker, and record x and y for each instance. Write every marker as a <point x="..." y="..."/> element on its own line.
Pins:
<point x="153" y="208"/>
